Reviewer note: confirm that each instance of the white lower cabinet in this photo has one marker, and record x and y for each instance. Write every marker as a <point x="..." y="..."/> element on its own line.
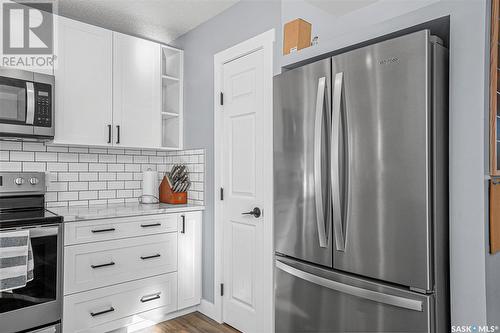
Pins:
<point x="113" y="277"/>
<point x="189" y="259"/>
<point x="88" y="311"/>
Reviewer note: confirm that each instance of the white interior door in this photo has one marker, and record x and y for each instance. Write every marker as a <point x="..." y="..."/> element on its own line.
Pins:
<point x="243" y="182"/>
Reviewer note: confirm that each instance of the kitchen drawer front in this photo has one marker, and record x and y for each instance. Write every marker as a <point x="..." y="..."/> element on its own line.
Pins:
<point x="95" y="265"/>
<point x="118" y="301"/>
<point x="109" y="229"/>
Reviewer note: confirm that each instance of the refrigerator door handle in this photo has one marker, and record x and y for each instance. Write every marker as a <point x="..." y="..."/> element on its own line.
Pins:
<point x="334" y="163"/>
<point x="401" y="302"/>
<point x="318" y="198"/>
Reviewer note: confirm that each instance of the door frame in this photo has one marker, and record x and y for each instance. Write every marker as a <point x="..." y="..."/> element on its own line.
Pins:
<point x="265" y="42"/>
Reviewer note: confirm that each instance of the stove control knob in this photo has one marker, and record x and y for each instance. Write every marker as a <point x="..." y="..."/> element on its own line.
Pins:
<point x="34" y="181"/>
<point x="19" y="181"/>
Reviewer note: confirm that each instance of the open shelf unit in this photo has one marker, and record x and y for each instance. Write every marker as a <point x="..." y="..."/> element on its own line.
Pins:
<point x="172" y="72"/>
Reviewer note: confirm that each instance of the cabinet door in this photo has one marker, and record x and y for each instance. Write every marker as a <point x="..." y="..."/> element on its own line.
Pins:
<point x="189" y="260"/>
<point x="137" y="92"/>
<point x="84" y="83"/>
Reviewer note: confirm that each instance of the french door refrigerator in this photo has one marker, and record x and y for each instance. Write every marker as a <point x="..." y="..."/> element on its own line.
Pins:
<point x="360" y="190"/>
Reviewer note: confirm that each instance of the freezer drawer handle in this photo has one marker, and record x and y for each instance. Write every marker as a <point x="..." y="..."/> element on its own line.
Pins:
<point x="401" y="302"/>
<point x="318" y="182"/>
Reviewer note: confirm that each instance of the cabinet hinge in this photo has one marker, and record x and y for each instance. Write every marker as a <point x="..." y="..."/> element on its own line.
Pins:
<point x="222" y="289"/>
<point x="221" y="98"/>
<point x="221" y="193"/>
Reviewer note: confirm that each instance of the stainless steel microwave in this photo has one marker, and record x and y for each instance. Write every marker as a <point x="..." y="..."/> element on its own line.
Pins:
<point x="26" y="105"/>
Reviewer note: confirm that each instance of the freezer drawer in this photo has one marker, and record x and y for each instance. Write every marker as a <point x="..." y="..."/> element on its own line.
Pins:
<point x="312" y="299"/>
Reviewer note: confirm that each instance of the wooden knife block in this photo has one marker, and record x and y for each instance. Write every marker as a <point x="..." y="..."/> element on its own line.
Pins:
<point x="169" y="196"/>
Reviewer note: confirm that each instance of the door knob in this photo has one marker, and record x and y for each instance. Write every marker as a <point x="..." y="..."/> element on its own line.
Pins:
<point x="255" y="212"/>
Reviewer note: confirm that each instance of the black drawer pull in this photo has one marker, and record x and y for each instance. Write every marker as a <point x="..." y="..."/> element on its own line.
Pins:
<point x="102" y="265"/>
<point x="103" y="230"/>
<point x="151" y="225"/>
<point x="93" y="314"/>
<point x="151" y="257"/>
<point x="145" y="299"/>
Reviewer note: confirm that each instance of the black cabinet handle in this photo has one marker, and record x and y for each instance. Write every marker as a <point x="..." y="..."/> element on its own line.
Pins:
<point x="103" y="230"/>
<point x="93" y="314"/>
<point x="183" y="231"/>
<point x="117" y="134"/>
<point x="109" y="133"/>
<point x="102" y="265"/>
<point x="150" y="225"/>
<point x="145" y="299"/>
<point x="151" y="257"/>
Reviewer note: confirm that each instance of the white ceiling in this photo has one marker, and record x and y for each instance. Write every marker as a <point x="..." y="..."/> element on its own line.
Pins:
<point x="159" y="20"/>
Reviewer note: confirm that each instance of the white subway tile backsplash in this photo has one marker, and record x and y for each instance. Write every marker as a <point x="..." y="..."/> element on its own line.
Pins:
<point x="78" y="167"/>
<point x="88" y="195"/>
<point x="97" y="185"/>
<point x="33" y="167"/>
<point x="67" y="196"/>
<point x="67" y="157"/>
<point x="107" y="158"/>
<point x="34" y="146"/>
<point x="79" y="176"/>
<point x="107" y="194"/>
<point x="22" y="156"/>
<point x="88" y="176"/>
<point x="67" y="177"/>
<point x="98" y="167"/>
<point x="4" y="155"/>
<point x="57" y="166"/>
<point x="10" y="145"/>
<point x="46" y="157"/>
<point x="78" y="186"/>
<point x="88" y="158"/>
<point x="10" y="166"/>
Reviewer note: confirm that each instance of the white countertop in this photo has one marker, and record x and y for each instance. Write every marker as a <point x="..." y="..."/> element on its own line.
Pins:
<point x="82" y="213"/>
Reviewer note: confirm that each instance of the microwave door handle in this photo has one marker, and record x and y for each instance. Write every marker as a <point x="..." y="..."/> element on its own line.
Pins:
<point x="30" y="103"/>
<point x="318" y="182"/>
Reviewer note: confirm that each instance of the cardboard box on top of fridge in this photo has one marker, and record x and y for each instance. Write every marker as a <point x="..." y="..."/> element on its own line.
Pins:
<point x="297" y="35"/>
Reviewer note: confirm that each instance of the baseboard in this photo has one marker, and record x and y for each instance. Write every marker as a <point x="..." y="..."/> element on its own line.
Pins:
<point x="209" y="310"/>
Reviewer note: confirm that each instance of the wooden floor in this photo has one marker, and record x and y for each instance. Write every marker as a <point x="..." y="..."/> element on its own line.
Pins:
<point x="190" y="323"/>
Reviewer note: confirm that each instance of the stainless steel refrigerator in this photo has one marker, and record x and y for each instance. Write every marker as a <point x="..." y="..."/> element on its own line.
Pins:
<point x="360" y="190"/>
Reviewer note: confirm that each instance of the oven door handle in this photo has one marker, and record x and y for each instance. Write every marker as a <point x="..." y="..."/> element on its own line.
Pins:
<point x="43" y="231"/>
<point x="30" y="103"/>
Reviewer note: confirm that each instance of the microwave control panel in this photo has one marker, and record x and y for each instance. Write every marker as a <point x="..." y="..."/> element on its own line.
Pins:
<point x="43" y="105"/>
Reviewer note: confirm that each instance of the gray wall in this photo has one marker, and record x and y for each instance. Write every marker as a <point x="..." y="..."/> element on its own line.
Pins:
<point x="240" y="22"/>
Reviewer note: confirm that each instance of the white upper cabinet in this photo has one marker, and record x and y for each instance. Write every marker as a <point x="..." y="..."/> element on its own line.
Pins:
<point x="84" y="84"/>
<point x="189" y="260"/>
<point x="137" y="92"/>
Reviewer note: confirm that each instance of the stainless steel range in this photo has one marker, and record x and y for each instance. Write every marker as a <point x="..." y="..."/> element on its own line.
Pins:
<point x="36" y="306"/>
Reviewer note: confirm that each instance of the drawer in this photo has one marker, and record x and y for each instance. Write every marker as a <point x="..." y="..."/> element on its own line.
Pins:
<point x="87" y="311"/>
<point x="108" y="229"/>
<point x="95" y="265"/>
